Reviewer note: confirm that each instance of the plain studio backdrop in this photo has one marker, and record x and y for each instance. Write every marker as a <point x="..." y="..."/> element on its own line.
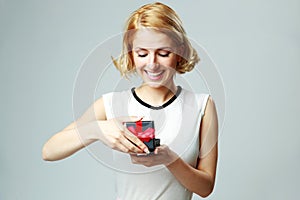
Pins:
<point x="255" y="44"/>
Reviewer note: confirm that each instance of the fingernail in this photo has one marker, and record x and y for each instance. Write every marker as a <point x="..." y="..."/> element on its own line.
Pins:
<point x="146" y="150"/>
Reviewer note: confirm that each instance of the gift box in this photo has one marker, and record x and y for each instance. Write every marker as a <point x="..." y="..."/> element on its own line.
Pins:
<point x="145" y="131"/>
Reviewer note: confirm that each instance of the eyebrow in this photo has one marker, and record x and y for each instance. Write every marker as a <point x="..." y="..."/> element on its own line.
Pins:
<point x="146" y="49"/>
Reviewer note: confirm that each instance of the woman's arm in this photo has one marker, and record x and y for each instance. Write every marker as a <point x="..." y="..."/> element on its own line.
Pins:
<point x="92" y="126"/>
<point x="201" y="180"/>
<point x="68" y="141"/>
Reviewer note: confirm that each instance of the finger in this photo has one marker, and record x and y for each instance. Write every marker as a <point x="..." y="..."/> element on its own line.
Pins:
<point x="140" y="154"/>
<point x="119" y="121"/>
<point x="131" y="147"/>
<point x="121" y="148"/>
<point x="159" y="149"/>
<point x="138" y="159"/>
<point x="130" y="136"/>
<point x="118" y="144"/>
<point x="133" y="160"/>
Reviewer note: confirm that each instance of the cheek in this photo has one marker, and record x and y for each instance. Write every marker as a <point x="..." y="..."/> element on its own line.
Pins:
<point x="138" y="65"/>
<point x="171" y="63"/>
<point x="135" y="59"/>
<point x="138" y="62"/>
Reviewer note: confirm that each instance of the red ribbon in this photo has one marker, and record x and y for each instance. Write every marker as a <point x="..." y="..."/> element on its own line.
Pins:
<point x="144" y="136"/>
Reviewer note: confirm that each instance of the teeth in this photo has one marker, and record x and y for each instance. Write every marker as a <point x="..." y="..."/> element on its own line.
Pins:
<point x="154" y="74"/>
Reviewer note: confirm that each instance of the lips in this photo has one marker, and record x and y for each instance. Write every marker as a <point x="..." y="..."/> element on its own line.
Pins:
<point x="154" y="75"/>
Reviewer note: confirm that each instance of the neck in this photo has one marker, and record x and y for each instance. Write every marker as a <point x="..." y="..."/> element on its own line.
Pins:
<point x="156" y="96"/>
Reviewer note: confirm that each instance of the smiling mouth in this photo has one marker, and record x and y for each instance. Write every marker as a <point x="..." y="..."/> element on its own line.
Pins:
<point x="154" y="76"/>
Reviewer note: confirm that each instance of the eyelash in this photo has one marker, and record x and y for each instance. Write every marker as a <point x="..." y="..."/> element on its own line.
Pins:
<point x="142" y="56"/>
<point x="162" y="55"/>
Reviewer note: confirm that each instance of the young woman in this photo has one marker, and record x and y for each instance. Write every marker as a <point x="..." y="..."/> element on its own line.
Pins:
<point x="155" y="47"/>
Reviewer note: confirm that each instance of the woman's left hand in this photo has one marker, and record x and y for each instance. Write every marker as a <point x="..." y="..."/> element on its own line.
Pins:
<point x="162" y="155"/>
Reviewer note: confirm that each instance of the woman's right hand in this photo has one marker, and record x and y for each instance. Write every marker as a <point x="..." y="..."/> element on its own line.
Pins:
<point x="116" y="136"/>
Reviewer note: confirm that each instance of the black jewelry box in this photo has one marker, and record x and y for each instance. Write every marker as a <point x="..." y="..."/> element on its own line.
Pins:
<point x="145" y="131"/>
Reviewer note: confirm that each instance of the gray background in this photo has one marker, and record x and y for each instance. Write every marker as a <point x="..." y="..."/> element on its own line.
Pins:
<point x="254" y="43"/>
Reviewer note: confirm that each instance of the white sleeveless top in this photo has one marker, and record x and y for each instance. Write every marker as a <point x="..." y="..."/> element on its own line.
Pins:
<point x="176" y="124"/>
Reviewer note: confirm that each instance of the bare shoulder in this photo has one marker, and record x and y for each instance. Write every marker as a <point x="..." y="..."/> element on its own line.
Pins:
<point x="210" y="109"/>
<point x="209" y="119"/>
<point x="95" y="112"/>
<point x="99" y="109"/>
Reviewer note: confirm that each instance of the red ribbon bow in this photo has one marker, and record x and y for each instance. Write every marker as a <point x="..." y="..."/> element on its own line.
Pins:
<point x="145" y="135"/>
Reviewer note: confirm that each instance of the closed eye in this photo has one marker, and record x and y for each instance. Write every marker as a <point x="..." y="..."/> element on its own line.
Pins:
<point x="164" y="53"/>
<point x="142" y="55"/>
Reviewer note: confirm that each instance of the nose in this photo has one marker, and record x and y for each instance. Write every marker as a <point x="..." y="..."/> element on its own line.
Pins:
<point x="152" y="58"/>
<point x="152" y="62"/>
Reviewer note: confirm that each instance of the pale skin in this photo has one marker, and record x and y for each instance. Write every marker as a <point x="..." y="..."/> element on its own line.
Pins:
<point x="155" y="63"/>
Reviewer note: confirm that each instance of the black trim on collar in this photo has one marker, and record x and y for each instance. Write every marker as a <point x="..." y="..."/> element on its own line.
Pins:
<point x="156" y="107"/>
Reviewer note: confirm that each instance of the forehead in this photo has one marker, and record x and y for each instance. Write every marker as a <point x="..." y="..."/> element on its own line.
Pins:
<point x="152" y="39"/>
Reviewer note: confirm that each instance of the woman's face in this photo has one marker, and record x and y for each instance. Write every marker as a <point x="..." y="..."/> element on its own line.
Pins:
<point x="154" y="57"/>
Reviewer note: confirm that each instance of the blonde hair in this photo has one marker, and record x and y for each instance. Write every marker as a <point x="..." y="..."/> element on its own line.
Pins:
<point x="163" y="19"/>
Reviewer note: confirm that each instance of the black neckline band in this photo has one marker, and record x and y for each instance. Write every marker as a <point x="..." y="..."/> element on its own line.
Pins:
<point x="156" y="107"/>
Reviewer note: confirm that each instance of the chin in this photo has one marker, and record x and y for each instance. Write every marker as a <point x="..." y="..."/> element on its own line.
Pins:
<point x="154" y="84"/>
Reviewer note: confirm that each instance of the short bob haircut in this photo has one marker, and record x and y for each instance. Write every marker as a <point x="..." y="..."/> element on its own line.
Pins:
<point x="163" y="19"/>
